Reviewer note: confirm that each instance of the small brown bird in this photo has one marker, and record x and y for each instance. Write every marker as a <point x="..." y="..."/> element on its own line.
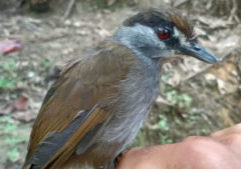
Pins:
<point x="100" y="100"/>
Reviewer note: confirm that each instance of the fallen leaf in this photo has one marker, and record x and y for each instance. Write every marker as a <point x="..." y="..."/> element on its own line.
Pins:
<point x="6" y="109"/>
<point x="21" y="104"/>
<point x="221" y="86"/>
<point x="25" y="116"/>
<point x="9" y="46"/>
<point x="210" y="77"/>
<point x="163" y="101"/>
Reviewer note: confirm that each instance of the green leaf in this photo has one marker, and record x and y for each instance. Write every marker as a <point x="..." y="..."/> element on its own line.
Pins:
<point x="14" y="154"/>
<point x="45" y="63"/>
<point x="10" y="65"/>
<point x="5" y="83"/>
<point x="163" y="124"/>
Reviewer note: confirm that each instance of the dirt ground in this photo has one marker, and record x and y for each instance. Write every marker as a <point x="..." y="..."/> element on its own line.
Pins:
<point x="195" y="98"/>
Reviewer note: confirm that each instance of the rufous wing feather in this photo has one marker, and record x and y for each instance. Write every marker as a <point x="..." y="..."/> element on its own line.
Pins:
<point x="57" y="148"/>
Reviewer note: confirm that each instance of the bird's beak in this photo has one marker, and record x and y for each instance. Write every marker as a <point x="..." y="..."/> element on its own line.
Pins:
<point x="199" y="52"/>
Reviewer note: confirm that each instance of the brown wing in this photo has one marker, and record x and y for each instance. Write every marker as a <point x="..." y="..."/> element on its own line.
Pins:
<point x="57" y="147"/>
<point x="82" y="90"/>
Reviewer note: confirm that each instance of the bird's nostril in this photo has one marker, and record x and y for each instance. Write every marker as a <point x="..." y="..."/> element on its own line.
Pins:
<point x="197" y="48"/>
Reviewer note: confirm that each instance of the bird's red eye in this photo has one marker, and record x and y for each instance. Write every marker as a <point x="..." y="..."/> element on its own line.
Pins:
<point x="163" y="34"/>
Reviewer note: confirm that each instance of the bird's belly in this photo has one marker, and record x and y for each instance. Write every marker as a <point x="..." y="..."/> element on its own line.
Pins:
<point x="123" y="127"/>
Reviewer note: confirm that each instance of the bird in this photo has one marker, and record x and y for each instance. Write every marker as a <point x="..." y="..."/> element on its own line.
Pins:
<point x="100" y="100"/>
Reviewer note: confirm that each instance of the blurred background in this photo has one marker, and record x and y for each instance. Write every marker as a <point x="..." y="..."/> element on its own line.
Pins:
<point x="38" y="36"/>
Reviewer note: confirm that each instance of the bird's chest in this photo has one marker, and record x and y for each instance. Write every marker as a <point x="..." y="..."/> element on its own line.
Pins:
<point x="137" y="93"/>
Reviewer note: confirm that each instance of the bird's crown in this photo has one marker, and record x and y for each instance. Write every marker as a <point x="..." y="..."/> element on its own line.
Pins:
<point x="158" y="17"/>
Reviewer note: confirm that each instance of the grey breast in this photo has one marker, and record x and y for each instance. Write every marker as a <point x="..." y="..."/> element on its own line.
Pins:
<point x="137" y="93"/>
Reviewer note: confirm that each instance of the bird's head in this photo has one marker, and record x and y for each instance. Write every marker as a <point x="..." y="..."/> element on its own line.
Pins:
<point x="161" y="34"/>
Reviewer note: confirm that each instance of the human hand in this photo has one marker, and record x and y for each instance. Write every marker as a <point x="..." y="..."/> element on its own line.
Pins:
<point x="221" y="150"/>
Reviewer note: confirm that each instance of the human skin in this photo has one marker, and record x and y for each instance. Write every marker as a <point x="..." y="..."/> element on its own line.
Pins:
<point x="220" y="150"/>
